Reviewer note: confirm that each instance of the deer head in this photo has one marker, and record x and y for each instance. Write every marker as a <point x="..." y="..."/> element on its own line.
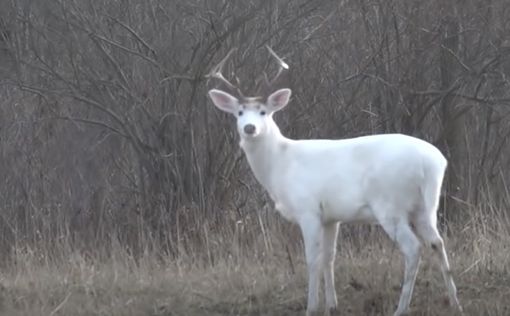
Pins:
<point x="253" y="114"/>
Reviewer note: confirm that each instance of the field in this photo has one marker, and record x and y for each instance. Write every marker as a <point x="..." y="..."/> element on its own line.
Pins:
<point x="259" y="272"/>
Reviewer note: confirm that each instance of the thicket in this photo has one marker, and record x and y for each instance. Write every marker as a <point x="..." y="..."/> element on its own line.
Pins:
<point x="106" y="131"/>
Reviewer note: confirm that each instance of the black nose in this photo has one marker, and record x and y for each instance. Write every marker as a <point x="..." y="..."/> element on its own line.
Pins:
<point x="249" y="129"/>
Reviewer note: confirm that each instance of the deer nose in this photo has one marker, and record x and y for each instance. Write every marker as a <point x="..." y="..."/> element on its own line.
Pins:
<point x="249" y="129"/>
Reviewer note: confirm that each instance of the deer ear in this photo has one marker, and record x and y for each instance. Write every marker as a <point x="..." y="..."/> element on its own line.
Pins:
<point x="279" y="99"/>
<point x="224" y="101"/>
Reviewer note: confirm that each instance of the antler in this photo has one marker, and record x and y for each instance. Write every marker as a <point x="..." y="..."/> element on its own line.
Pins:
<point x="216" y="73"/>
<point x="283" y="66"/>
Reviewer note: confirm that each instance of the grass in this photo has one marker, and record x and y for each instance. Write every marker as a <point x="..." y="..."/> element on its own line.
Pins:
<point x="266" y="276"/>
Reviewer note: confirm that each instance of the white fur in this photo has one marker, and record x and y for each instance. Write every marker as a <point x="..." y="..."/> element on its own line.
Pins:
<point x="393" y="180"/>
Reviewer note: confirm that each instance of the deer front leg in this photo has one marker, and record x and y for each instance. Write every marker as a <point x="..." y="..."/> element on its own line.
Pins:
<point x="312" y="231"/>
<point x="329" y="237"/>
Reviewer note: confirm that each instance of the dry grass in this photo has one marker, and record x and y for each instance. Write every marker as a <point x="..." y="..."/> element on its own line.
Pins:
<point x="268" y="281"/>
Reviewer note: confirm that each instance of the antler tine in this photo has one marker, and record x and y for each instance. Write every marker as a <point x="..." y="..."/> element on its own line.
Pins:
<point x="216" y="72"/>
<point x="283" y="66"/>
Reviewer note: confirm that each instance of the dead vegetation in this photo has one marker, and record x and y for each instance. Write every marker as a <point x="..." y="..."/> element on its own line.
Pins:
<point x="255" y="280"/>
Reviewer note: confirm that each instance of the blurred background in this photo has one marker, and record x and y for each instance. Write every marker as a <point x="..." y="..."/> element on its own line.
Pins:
<point x="106" y="131"/>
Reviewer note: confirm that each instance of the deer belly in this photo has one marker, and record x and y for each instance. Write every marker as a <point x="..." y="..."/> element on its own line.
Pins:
<point x="347" y="213"/>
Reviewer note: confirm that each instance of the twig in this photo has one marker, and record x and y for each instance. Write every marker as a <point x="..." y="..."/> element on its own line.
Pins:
<point x="470" y="267"/>
<point x="59" y="307"/>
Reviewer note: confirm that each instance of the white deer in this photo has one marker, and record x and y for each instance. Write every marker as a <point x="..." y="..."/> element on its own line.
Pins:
<point x="392" y="180"/>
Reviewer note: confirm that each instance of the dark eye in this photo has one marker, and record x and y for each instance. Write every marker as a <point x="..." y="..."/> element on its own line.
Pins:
<point x="262" y="112"/>
<point x="240" y="113"/>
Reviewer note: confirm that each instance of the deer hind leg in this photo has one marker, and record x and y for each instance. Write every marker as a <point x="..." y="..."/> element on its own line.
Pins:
<point x="427" y="230"/>
<point x="400" y="231"/>
<point x="329" y="237"/>
<point x="312" y="230"/>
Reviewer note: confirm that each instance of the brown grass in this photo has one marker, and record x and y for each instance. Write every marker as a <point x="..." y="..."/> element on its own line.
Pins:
<point x="264" y="277"/>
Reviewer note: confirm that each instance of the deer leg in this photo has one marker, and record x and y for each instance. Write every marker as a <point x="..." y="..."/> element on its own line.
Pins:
<point x="429" y="233"/>
<point x="312" y="231"/>
<point x="400" y="231"/>
<point x="329" y="238"/>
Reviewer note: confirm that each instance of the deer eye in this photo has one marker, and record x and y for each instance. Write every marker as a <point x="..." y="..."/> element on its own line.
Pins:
<point x="240" y="113"/>
<point x="262" y="112"/>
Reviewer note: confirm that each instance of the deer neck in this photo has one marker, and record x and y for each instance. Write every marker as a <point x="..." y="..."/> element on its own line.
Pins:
<point x="264" y="153"/>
